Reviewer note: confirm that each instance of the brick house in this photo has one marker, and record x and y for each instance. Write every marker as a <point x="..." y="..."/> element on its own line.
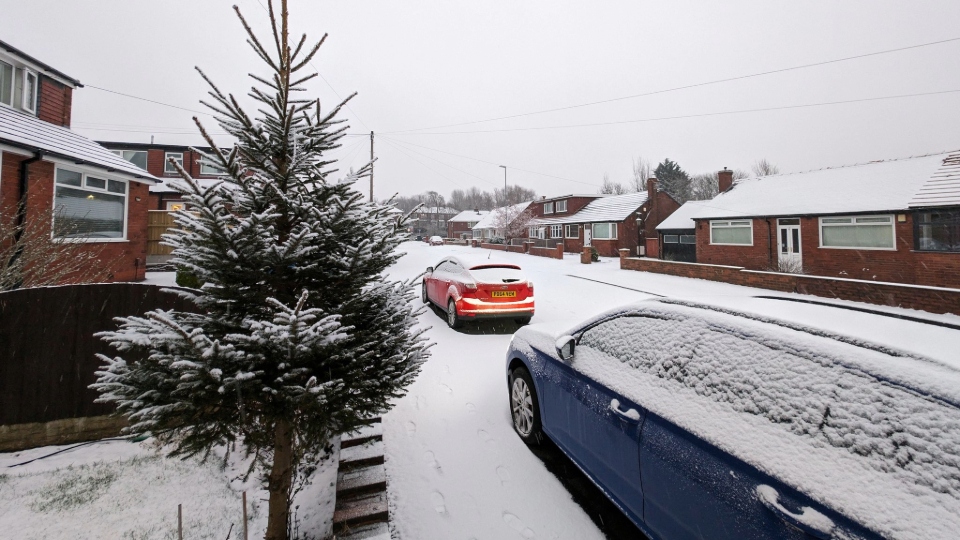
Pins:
<point x="893" y="221"/>
<point x="678" y="240"/>
<point x="46" y="167"/>
<point x="461" y="225"/>
<point x="610" y="223"/>
<point x="488" y="228"/>
<point x="154" y="158"/>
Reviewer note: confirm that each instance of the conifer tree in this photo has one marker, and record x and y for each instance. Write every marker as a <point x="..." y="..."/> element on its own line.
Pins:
<point x="674" y="180"/>
<point x="298" y="335"/>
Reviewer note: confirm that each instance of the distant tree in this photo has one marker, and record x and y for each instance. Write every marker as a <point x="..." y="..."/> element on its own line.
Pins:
<point x="642" y="171"/>
<point x="704" y="186"/>
<point x="762" y="167"/>
<point x="458" y="200"/>
<point x="610" y="187"/>
<point x="513" y="195"/>
<point x="512" y="221"/>
<point x="674" y="180"/>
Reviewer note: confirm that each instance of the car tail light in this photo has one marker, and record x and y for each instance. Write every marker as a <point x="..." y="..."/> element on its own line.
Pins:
<point x="530" y="285"/>
<point x="470" y="286"/>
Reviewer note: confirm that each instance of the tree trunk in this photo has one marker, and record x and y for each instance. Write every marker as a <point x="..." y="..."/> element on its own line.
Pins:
<point x="280" y="481"/>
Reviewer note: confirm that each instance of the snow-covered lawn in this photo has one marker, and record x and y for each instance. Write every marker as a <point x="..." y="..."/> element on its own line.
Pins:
<point x="455" y="467"/>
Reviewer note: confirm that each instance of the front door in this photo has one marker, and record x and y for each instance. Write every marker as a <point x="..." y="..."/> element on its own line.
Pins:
<point x="788" y="245"/>
<point x="587" y="236"/>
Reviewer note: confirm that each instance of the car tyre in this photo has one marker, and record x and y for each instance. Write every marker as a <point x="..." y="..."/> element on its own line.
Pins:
<point x="423" y="293"/>
<point x="522" y="321"/>
<point x="525" y="406"/>
<point x="453" y="320"/>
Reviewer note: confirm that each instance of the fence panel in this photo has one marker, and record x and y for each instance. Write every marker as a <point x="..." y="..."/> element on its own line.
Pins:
<point x="47" y="347"/>
<point x="158" y="221"/>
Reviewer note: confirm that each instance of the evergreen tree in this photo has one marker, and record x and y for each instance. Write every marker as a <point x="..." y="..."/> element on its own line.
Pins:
<point x="298" y="336"/>
<point x="674" y="180"/>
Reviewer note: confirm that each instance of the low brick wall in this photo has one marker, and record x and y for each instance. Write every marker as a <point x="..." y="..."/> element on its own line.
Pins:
<point x="553" y="253"/>
<point x="66" y="431"/>
<point x="515" y="249"/>
<point x="932" y="299"/>
<point x="499" y="247"/>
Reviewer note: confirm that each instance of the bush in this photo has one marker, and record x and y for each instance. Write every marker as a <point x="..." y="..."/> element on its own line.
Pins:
<point x="187" y="279"/>
<point x="594" y="254"/>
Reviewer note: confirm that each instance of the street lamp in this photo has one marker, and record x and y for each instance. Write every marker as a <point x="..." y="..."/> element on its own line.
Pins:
<point x="504" y="167"/>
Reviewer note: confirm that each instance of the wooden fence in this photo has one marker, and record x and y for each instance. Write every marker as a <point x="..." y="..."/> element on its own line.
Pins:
<point x="47" y="346"/>
<point x="158" y="221"/>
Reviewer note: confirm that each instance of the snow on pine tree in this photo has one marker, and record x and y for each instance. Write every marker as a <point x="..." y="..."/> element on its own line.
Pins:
<point x="298" y="335"/>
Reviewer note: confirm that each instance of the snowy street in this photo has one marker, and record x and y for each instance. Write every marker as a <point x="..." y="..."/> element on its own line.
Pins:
<point x="455" y="467"/>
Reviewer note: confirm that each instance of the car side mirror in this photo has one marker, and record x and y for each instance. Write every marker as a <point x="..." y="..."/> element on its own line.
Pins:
<point x="429" y="269"/>
<point x="565" y="347"/>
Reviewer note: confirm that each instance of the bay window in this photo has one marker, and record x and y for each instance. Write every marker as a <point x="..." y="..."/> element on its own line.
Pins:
<point x="89" y="207"/>
<point x="732" y="233"/>
<point x="857" y="232"/>
<point x="604" y="231"/>
<point x="938" y="230"/>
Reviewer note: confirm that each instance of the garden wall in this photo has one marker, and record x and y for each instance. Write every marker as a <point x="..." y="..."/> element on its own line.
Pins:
<point x="553" y="253"/>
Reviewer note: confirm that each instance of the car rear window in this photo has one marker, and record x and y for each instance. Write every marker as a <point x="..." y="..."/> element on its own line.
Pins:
<point x="805" y="392"/>
<point x="498" y="274"/>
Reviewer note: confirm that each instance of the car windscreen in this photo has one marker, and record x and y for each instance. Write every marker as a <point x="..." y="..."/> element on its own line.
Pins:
<point x="497" y="274"/>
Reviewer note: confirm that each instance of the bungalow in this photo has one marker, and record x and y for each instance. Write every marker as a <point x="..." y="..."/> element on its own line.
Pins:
<point x="45" y="167"/>
<point x="678" y="241"/>
<point x="461" y="225"/>
<point x="896" y="220"/>
<point x="610" y="223"/>
<point x="492" y="225"/>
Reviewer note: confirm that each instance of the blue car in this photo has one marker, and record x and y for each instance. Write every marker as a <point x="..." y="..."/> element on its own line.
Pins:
<point x="699" y="422"/>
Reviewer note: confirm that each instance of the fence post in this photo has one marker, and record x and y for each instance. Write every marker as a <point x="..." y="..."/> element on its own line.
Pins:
<point x="179" y="522"/>
<point x="245" y="516"/>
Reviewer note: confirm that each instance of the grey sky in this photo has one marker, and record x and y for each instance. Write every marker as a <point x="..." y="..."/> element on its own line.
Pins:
<point x="420" y="64"/>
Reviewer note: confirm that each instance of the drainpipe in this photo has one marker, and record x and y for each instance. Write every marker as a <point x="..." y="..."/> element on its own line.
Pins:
<point x="769" y="244"/>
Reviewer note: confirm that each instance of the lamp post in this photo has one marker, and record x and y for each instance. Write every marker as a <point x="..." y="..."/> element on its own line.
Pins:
<point x="504" y="167"/>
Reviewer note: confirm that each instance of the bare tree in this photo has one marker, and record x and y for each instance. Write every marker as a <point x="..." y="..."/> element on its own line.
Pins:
<point x="642" y="171"/>
<point x="704" y="186"/>
<point x="512" y="221"/>
<point x="30" y="256"/>
<point x="762" y="167"/>
<point x="513" y="195"/>
<point x="612" y="188"/>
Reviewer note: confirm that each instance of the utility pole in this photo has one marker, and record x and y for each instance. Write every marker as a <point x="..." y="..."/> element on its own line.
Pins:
<point x="504" y="167"/>
<point x="371" y="166"/>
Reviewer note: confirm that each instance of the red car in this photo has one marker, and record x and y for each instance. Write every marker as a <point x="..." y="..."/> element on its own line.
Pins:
<point x="481" y="289"/>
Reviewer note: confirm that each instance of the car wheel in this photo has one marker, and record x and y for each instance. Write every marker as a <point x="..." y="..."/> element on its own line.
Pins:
<point x="524" y="406"/>
<point x="522" y="321"/>
<point x="423" y="294"/>
<point x="453" y="320"/>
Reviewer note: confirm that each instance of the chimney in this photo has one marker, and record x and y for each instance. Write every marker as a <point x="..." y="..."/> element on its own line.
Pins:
<point x="651" y="189"/>
<point x="477" y="210"/>
<point x="726" y="179"/>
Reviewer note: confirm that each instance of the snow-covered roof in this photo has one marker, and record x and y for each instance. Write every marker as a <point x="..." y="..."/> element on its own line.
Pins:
<point x="943" y="188"/>
<point x="29" y="133"/>
<point x="581" y="195"/>
<point x="489" y="221"/>
<point x="437" y="210"/>
<point x="468" y="216"/>
<point x="682" y="218"/>
<point x="610" y="208"/>
<point x="876" y="186"/>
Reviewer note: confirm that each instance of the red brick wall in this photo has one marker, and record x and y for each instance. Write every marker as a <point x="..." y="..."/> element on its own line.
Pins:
<point x="890" y="294"/>
<point x="498" y="247"/>
<point x="55" y="102"/>
<point x="455" y="228"/>
<point x="553" y="253"/>
<point x="755" y="257"/>
<point x="125" y="261"/>
<point x="574" y="205"/>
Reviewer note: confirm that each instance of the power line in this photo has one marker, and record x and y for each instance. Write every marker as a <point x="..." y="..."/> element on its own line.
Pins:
<point x="688" y="86"/>
<point x="402" y="143"/>
<point x="424" y="165"/>
<point x="145" y="99"/>
<point x="700" y="115"/>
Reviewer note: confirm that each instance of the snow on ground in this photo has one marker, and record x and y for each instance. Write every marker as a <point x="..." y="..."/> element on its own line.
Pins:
<point x="455" y="467"/>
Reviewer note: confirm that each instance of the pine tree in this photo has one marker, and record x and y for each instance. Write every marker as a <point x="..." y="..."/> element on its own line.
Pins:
<point x="674" y="180"/>
<point x="298" y="335"/>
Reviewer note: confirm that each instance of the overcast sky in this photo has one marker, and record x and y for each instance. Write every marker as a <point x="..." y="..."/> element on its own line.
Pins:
<point x="423" y="64"/>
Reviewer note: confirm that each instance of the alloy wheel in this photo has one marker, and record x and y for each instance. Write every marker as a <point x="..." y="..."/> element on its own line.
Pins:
<point x="522" y="407"/>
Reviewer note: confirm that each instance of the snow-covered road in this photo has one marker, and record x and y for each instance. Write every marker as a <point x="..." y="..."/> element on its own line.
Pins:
<point x="455" y="467"/>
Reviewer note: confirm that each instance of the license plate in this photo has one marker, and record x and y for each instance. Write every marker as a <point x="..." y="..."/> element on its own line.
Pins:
<point x="503" y="294"/>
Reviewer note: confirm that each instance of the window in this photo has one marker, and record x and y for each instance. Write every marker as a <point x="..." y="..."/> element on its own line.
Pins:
<point x="548" y="208"/>
<point x="167" y="166"/>
<point x="671" y="239"/>
<point x="859" y="232"/>
<point x="734" y="233"/>
<point x="137" y="157"/>
<point x="6" y="83"/>
<point x="556" y="231"/>
<point x="208" y="167"/>
<point x="89" y="207"/>
<point x="175" y="206"/>
<point x="531" y="232"/>
<point x="938" y="231"/>
<point x="604" y="231"/>
<point x="29" y="96"/>
<point x="573" y="231"/>
<point x="562" y="206"/>
<point x="688" y="239"/>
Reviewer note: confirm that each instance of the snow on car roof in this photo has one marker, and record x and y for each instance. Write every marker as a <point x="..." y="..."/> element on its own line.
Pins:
<point x="475" y="262"/>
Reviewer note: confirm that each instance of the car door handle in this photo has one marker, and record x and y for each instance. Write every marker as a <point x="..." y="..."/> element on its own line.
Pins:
<point x="808" y="520"/>
<point x="630" y="415"/>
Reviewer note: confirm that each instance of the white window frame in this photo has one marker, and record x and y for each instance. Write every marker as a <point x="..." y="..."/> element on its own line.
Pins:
<point x="613" y="227"/>
<point x="166" y="163"/>
<point x="561" y="206"/>
<point x="853" y="222"/>
<point x="29" y="103"/>
<point x="83" y="187"/>
<point x="204" y="163"/>
<point x="547" y="208"/>
<point x="556" y="231"/>
<point x="730" y="224"/>
<point x="13" y="86"/>
<point x="531" y="232"/>
<point x="144" y="152"/>
<point x="566" y="232"/>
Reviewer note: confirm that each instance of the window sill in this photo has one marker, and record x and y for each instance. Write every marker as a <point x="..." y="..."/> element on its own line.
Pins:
<point x="934" y="251"/>
<point x="859" y="248"/>
<point x="93" y="240"/>
<point x="735" y="245"/>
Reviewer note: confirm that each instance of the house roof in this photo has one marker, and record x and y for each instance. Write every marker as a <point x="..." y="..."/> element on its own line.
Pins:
<point x="876" y="186"/>
<point x="489" y="221"/>
<point x="469" y="215"/>
<point x="40" y="66"/>
<point x="943" y="187"/>
<point x="682" y="218"/>
<point x="609" y="208"/>
<point x="560" y="197"/>
<point x="29" y="133"/>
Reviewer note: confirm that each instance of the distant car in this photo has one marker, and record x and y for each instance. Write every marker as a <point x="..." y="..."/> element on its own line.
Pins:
<point x="480" y="289"/>
<point x="436" y="241"/>
<point x="699" y="422"/>
<point x="419" y="238"/>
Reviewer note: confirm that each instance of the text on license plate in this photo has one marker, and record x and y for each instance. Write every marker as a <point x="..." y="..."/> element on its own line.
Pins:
<point x="503" y="294"/>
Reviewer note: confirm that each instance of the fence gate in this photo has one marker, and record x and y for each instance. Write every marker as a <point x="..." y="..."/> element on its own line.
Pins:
<point x="158" y="221"/>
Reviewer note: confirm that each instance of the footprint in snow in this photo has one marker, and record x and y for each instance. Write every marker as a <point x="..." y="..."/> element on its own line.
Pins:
<point x="471" y="408"/>
<point x="446" y="388"/>
<point x="485" y="436"/>
<point x="431" y="460"/>
<point x="438" y="504"/>
<point x="421" y="402"/>
<point x="411" y="428"/>
<point x="517" y="525"/>
<point x="504" y="475"/>
<point x="446" y="368"/>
